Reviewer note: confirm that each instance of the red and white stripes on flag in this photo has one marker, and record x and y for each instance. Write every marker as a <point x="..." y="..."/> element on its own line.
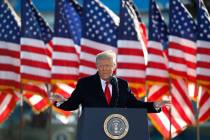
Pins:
<point x="9" y="48"/>
<point x="66" y="50"/>
<point x="182" y="58"/>
<point x="64" y="89"/>
<point x="35" y="60"/>
<point x="9" y="65"/>
<point x="131" y="64"/>
<point x="37" y="102"/>
<point x="156" y="71"/>
<point x="203" y="62"/>
<point x="65" y="67"/>
<point x="182" y="42"/>
<point x="203" y="45"/>
<point x="181" y="114"/>
<point x="156" y="92"/>
<point x="8" y="102"/>
<point x="132" y="53"/>
<point x="36" y="96"/>
<point x="203" y="105"/>
<point x="143" y="32"/>
<point x="157" y="67"/>
<point x="36" y="49"/>
<point x="182" y="63"/>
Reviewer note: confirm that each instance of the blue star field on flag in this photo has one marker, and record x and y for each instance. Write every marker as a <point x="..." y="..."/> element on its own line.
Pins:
<point x="9" y="28"/>
<point x="203" y="23"/>
<point x="181" y="23"/>
<point x="128" y="30"/>
<point x="33" y="25"/>
<point x="68" y="20"/>
<point x="98" y="25"/>
<point x="157" y="27"/>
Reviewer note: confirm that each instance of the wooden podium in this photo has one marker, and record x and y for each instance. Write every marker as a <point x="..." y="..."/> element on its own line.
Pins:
<point x="113" y="123"/>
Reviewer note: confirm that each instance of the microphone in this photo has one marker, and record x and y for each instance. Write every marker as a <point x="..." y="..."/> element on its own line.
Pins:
<point x="114" y="82"/>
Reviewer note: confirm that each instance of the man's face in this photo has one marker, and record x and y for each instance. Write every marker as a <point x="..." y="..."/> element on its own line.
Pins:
<point x="105" y="68"/>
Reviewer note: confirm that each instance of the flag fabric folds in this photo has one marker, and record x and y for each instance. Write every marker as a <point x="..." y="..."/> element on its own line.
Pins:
<point x="157" y="67"/>
<point x="203" y="56"/>
<point x="9" y="60"/>
<point x="174" y="119"/>
<point x="131" y="49"/>
<point x="203" y="46"/>
<point x="99" y="33"/>
<point x="36" y="51"/>
<point x="9" y="49"/>
<point x="143" y="28"/>
<point x="203" y="105"/>
<point x="66" y="48"/>
<point x="8" y="100"/>
<point x="179" y="116"/>
<point x="35" y="96"/>
<point x="66" y="42"/>
<point x="182" y="42"/>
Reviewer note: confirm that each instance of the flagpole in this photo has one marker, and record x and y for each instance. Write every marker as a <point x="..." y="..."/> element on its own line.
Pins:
<point x="147" y="92"/>
<point x="170" y="112"/>
<point x="49" y="124"/>
<point x="197" y="115"/>
<point x="49" y="115"/>
<point x="21" y="115"/>
<point x="170" y="109"/>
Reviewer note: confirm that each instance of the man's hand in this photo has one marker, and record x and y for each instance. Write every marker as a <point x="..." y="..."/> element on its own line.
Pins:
<point x="57" y="98"/>
<point x="161" y="104"/>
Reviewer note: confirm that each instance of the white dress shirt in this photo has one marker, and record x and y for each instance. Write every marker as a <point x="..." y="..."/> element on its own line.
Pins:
<point x="103" y="83"/>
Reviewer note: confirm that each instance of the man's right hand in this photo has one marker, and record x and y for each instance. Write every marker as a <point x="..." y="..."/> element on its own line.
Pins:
<point x="57" y="98"/>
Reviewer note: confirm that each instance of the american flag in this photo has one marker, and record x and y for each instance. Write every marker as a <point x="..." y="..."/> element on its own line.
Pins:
<point x="72" y="13"/>
<point x="182" y="61"/>
<point x="8" y="100"/>
<point x="9" y="49"/>
<point x="131" y="51"/>
<point x="143" y="28"/>
<point x="36" y="50"/>
<point x="182" y="45"/>
<point x="66" y="51"/>
<point x="203" y="105"/>
<point x="168" y="123"/>
<point x="9" y="60"/>
<point x="36" y="101"/>
<point x="99" y="33"/>
<point x="157" y="71"/>
<point x="203" y="57"/>
<point x="66" y="41"/>
<point x="203" y="46"/>
<point x="181" y="115"/>
<point x="36" y="53"/>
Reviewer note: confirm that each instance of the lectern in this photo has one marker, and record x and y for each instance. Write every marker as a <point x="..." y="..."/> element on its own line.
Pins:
<point x="113" y="123"/>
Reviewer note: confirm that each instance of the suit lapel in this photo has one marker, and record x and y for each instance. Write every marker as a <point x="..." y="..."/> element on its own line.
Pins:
<point x="101" y="94"/>
<point x="99" y="90"/>
<point x="114" y="97"/>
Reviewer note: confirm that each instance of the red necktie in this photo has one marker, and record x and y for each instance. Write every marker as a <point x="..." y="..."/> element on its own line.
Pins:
<point x="107" y="93"/>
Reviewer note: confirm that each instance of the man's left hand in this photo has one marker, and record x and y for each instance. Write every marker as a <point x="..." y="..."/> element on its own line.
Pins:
<point x="161" y="104"/>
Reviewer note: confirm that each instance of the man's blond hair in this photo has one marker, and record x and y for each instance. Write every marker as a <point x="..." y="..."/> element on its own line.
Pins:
<point x="109" y="54"/>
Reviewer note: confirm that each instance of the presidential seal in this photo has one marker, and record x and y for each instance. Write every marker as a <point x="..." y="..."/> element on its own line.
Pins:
<point x="116" y="126"/>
